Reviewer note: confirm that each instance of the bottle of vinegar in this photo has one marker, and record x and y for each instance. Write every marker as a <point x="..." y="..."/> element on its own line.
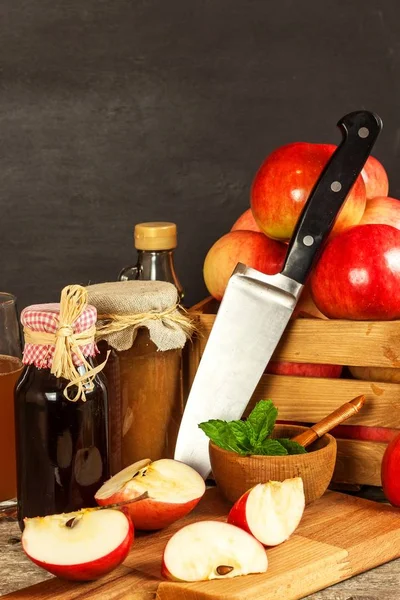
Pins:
<point x="61" y="425"/>
<point x="155" y="243"/>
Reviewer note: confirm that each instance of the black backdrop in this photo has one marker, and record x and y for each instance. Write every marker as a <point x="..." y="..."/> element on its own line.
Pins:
<point x="119" y="111"/>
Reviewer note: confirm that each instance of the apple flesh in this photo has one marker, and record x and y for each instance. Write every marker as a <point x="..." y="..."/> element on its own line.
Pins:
<point x="173" y="488"/>
<point x="382" y="211"/>
<point x="358" y="274"/>
<point x="246" y="222"/>
<point x="270" y="511"/>
<point x="212" y="550"/>
<point x="284" y="182"/>
<point x="375" y="178"/>
<point x="248" y="247"/>
<point x="390" y="472"/>
<point x="79" y="546"/>
<point x="304" y="369"/>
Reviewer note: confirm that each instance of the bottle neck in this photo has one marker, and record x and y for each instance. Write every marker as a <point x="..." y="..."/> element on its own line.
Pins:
<point x="158" y="265"/>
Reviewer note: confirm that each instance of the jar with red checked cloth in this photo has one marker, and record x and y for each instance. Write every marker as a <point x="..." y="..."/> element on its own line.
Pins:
<point x="60" y="409"/>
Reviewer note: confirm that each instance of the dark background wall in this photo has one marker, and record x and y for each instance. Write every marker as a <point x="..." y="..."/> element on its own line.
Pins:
<point x="119" y="111"/>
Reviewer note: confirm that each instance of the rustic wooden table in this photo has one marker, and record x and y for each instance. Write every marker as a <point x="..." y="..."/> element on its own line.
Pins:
<point x="17" y="571"/>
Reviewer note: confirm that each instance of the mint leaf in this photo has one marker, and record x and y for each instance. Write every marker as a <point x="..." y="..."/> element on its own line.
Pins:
<point x="270" y="448"/>
<point x="292" y="447"/>
<point x="240" y="432"/>
<point x="262" y="420"/>
<point x="220" y="432"/>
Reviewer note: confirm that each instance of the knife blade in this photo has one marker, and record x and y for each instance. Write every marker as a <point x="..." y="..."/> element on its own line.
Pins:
<point x="256" y="308"/>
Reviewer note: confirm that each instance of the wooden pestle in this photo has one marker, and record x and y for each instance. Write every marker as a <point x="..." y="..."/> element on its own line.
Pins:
<point x="339" y="415"/>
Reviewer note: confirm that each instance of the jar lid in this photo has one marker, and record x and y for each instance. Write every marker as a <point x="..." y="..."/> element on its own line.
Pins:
<point x="155" y="235"/>
<point x="44" y="318"/>
<point x="125" y="306"/>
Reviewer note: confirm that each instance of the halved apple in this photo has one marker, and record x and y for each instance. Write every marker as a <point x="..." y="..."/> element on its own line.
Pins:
<point x="270" y="511"/>
<point x="174" y="489"/>
<point x="212" y="550"/>
<point x="81" y="545"/>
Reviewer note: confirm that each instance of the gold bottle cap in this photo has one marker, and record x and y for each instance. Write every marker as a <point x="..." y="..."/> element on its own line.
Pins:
<point x="156" y="235"/>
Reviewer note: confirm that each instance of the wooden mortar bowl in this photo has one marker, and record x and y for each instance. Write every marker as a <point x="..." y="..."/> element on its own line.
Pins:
<point x="235" y="474"/>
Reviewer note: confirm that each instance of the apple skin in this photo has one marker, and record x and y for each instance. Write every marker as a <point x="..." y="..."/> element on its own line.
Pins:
<point x="390" y="472"/>
<point x="384" y="374"/>
<point x="358" y="275"/>
<point x="246" y="222"/>
<point x="148" y="514"/>
<point x="305" y="307"/>
<point x="248" y="247"/>
<point x="304" y="369"/>
<point x="382" y="211"/>
<point x="237" y="514"/>
<point x="364" y="433"/>
<point x="375" y="178"/>
<point x="92" y="570"/>
<point x="356" y="432"/>
<point x="284" y="182"/>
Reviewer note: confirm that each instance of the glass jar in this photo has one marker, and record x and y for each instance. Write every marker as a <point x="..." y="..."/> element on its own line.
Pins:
<point x="147" y="401"/>
<point x="61" y="444"/>
<point x="145" y="331"/>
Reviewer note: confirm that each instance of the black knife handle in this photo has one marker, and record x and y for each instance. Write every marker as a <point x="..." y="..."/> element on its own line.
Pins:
<point x="360" y="131"/>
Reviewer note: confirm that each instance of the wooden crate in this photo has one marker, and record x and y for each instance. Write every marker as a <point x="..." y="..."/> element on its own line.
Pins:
<point x="309" y="399"/>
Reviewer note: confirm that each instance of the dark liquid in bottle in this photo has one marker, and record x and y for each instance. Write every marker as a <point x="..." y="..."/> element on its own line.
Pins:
<point x="62" y="446"/>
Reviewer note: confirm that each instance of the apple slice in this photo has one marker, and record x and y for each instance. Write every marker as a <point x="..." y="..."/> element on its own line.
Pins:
<point x="81" y="545"/>
<point x="270" y="511"/>
<point x="212" y="550"/>
<point x="174" y="489"/>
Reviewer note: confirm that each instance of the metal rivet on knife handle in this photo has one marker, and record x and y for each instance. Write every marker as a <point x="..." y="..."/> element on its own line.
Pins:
<point x="336" y="186"/>
<point x="308" y="240"/>
<point x="363" y="132"/>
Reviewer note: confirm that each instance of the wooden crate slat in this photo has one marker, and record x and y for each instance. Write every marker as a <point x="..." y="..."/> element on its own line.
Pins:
<point x="359" y="462"/>
<point x="365" y="343"/>
<point x="310" y="399"/>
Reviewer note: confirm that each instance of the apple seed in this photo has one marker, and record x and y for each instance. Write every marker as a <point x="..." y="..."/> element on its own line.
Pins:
<point x="224" y="569"/>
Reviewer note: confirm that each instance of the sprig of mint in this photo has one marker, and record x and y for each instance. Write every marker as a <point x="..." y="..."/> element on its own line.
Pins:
<point x="251" y="436"/>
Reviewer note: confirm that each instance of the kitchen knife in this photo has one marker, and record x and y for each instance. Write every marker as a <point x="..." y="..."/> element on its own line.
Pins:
<point x="256" y="308"/>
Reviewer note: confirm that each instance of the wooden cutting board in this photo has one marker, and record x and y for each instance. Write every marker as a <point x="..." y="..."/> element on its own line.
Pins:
<point x="338" y="537"/>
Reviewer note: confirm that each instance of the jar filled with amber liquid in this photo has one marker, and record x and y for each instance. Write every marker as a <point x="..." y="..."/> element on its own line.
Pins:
<point x="60" y="416"/>
<point x="140" y="322"/>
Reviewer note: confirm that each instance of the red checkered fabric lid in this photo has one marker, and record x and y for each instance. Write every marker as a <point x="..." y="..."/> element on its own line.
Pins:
<point x="45" y="318"/>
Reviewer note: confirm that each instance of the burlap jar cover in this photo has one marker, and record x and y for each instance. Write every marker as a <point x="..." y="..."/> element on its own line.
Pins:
<point x="146" y="329"/>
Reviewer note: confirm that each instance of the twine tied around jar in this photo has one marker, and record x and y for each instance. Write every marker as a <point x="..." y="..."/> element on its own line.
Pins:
<point x="170" y="317"/>
<point x="67" y="343"/>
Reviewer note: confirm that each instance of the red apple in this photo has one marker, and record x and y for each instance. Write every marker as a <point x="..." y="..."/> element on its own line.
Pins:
<point x="304" y="369"/>
<point x="270" y="511"/>
<point x="82" y="545"/>
<point x="389" y="374"/>
<point x="305" y="307"/>
<point x="383" y="211"/>
<point x="174" y="489"/>
<point x="364" y="433"/>
<point x="246" y="222"/>
<point x="284" y="182"/>
<point x="358" y="274"/>
<point x="248" y="247"/>
<point x="375" y="178"/>
<point x="212" y="550"/>
<point x="390" y="472"/>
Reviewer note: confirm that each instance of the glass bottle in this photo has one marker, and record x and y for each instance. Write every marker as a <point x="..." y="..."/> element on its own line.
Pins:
<point x="61" y="445"/>
<point x="155" y="243"/>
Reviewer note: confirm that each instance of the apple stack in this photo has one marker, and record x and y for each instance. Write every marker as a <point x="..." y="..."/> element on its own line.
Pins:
<point x="344" y="338"/>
